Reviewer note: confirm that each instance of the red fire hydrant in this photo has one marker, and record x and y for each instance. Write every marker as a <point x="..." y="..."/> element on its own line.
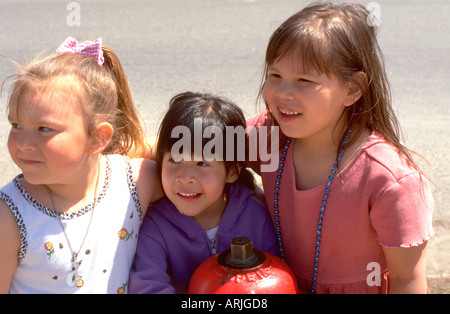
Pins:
<point x="243" y="269"/>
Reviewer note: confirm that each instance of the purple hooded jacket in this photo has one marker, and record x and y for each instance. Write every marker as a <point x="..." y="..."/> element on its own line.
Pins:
<point x="171" y="245"/>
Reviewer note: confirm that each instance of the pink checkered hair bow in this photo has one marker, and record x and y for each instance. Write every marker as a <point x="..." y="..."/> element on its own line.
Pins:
<point x="91" y="49"/>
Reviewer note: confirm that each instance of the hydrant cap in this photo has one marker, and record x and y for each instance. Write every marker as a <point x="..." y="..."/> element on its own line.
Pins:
<point x="241" y="255"/>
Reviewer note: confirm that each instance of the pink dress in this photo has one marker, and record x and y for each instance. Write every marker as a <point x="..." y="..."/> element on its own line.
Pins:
<point x="375" y="201"/>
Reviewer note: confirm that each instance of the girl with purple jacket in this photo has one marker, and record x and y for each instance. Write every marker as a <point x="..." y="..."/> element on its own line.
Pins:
<point x="209" y="195"/>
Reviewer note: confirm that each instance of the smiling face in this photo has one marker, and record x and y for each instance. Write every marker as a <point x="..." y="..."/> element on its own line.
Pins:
<point x="196" y="188"/>
<point x="48" y="140"/>
<point x="305" y="104"/>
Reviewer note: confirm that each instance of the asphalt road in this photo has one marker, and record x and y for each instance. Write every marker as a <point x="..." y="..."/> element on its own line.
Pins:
<point x="170" y="46"/>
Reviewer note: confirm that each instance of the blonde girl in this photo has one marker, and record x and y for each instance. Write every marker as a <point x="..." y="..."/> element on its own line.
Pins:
<point x="352" y="210"/>
<point x="70" y="221"/>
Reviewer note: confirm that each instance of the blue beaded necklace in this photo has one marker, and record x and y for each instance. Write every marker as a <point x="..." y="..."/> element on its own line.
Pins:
<point x="322" y="206"/>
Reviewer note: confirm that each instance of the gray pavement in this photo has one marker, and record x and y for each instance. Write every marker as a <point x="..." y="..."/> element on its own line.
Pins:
<point x="170" y="46"/>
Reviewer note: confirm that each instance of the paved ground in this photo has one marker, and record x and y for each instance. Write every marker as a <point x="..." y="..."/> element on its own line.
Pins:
<point x="169" y="46"/>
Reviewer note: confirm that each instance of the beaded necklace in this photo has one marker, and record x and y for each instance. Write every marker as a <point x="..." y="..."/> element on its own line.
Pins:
<point x="322" y="206"/>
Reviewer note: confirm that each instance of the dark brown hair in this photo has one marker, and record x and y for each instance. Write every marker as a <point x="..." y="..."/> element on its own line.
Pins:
<point x="213" y="111"/>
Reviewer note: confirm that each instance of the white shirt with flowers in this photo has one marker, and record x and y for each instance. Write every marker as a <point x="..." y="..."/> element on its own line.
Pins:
<point x="45" y="259"/>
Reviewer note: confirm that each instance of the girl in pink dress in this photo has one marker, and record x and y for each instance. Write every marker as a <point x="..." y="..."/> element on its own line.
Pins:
<point x="352" y="210"/>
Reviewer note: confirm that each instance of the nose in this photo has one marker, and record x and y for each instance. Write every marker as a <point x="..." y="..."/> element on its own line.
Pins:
<point x="284" y="90"/>
<point x="186" y="174"/>
<point x="24" y="141"/>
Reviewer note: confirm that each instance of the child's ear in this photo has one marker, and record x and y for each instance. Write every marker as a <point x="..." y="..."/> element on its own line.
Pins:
<point x="233" y="175"/>
<point x="356" y="87"/>
<point x="100" y="140"/>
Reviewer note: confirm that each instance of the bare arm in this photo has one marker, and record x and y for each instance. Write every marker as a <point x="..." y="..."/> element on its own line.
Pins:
<point x="148" y="183"/>
<point x="9" y="247"/>
<point x="407" y="269"/>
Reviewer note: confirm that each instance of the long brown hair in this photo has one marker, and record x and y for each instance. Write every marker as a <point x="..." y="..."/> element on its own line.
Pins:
<point x="103" y="94"/>
<point x="337" y="39"/>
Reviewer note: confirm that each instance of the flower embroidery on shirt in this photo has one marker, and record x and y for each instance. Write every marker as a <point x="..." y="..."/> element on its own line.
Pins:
<point x="79" y="283"/>
<point x="125" y="235"/>
<point x="48" y="246"/>
<point x="123" y="288"/>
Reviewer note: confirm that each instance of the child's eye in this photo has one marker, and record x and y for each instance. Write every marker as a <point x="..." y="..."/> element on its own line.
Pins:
<point x="173" y="161"/>
<point x="15" y="126"/>
<point x="44" y="129"/>
<point x="274" y="75"/>
<point x="303" y="80"/>
<point x="202" y="164"/>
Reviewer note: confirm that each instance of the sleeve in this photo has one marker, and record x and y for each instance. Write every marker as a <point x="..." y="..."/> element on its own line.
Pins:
<point x="402" y="214"/>
<point x="149" y="273"/>
<point x="264" y="232"/>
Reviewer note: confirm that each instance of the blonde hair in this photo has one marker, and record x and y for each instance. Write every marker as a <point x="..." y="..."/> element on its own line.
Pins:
<point x="103" y="91"/>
